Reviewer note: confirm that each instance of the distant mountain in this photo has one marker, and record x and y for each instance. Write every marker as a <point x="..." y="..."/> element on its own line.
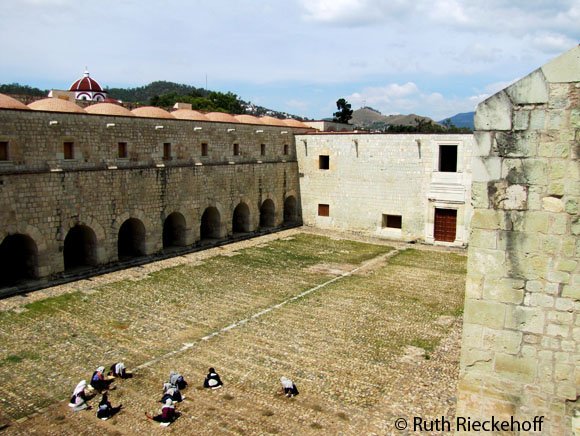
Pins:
<point x="461" y="120"/>
<point x="369" y="118"/>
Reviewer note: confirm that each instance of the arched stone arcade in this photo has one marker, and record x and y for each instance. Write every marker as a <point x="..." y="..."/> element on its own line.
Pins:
<point x="210" y="225"/>
<point x="290" y="210"/>
<point x="267" y="214"/>
<point x="131" y="239"/>
<point x="80" y="248"/>
<point x="18" y="259"/>
<point x="174" y="231"/>
<point x="241" y="222"/>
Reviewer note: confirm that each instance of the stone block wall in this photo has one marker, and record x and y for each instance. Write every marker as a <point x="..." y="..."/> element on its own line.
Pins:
<point x="371" y="175"/>
<point x="43" y="195"/>
<point x="521" y="336"/>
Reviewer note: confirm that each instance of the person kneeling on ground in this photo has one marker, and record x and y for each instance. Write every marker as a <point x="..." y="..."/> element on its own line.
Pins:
<point x="177" y="380"/>
<point x="168" y="414"/>
<point x="212" y="380"/>
<point x="99" y="381"/>
<point x="78" y="400"/>
<point x="288" y="386"/>
<point x="119" y="370"/>
<point x="105" y="410"/>
<point x="171" y="392"/>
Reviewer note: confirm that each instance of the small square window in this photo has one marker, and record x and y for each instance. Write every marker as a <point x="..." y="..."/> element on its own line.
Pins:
<point x="285" y="149"/>
<point x="323" y="162"/>
<point x="263" y="149"/>
<point x="69" y="150"/>
<point x="448" y="158"/>
<point x="236" y="149"/>
<point x="3" y="150"/>
<point x="167" y="151"/>
<point x="392" y="221"/>
<point x="323" y="210"/>
<point x="204" y="149"/>
<point x="122" y="150"/>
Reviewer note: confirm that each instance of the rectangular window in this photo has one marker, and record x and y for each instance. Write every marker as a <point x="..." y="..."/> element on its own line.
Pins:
<point x="204" y="149"/>
<point x="448" y="158"/>
<point x="236" y="149"/>
<point x="393" y="221"/>
<point x="263" y="149"/>
<point x="167" y="151"/>
<point x="285" y="149"/>
<point x="323" y="210"/>
<point x="122" y="150"/>
<point x="69" y="150"/>
<point x="3" y="150"/>
<point x="323" y="162"/>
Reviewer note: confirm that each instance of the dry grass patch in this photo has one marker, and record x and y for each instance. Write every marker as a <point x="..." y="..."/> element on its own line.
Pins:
<point x="341" y="344"/>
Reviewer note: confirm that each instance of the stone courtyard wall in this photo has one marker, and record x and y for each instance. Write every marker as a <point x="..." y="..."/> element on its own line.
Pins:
<point x="521" y="336"/>
<point x="371" y="175"/>
<point x="43" y="195"/>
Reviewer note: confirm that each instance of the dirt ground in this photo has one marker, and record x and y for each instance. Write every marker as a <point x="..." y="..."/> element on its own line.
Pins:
<point x="368" y="332"/>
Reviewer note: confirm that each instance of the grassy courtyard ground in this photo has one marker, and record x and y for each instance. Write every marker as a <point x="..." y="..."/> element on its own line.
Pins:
<point x="353" y="346"/>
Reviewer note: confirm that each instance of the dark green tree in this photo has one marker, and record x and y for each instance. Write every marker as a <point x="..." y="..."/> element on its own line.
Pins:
<point x="344" y="113"/>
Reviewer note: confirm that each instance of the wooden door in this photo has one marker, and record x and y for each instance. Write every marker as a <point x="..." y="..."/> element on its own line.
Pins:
<point x="445" y="224"/>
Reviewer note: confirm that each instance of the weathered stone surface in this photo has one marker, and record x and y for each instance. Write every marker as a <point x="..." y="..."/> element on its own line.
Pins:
<point x="529" y="90"/>
<point x="552" y="204"/>
<point x="487" y="313"/>
<point x="495" y="113"/>
<point x="539" y="234"/>
<point x="522" y="368"/>
<point x="565" y="68"/>
<point x="525" y="319"/>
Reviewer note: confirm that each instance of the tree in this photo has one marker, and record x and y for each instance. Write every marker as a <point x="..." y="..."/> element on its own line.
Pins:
<point x="344" y="112"/>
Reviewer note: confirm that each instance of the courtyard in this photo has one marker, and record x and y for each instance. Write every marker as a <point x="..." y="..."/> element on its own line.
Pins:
<point x="369" y="332"/>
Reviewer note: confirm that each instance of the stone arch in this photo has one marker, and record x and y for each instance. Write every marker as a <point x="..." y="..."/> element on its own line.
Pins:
<point x="241" y="222"/>
<point x="268" y="213"/>
<point x="18" y="259"/>
<point x="131" y="240"/>
<point x="174" y="230"/>
<point x="290" y="210"/>
<point x="210" y="224"/>
<point x="80" y="248"/>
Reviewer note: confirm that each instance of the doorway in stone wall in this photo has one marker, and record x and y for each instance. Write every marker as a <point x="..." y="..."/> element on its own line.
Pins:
<point x="131" y="241"/>
<point x="80" y="248"/>
<point x="174" y="231"/>
<point x="267" y="214"/>
<point x="445" y="225"/>
<point x="210" y="227"/>
<point x="18" y="259"/>
<point x="290" y="210"/>
<point x="241" y="219"/>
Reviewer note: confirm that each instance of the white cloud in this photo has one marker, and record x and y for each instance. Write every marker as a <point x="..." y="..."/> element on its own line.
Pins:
<point x="551" y="42"/>
<point x="409" y="98"/>
<point x="351" y="12"/>
<point x="382" y="96"/>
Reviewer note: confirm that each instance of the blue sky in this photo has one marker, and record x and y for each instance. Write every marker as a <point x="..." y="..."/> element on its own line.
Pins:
<point x="430" y="57"/>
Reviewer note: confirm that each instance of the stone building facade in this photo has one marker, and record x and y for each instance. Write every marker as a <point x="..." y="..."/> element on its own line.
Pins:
<point x="521" y="336"/>
<point x="411" y="187"/>
<point x="86" y="189"/>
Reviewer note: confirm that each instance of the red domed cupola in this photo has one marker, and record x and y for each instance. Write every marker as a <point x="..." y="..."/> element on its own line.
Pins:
<point x="87" y="88"/>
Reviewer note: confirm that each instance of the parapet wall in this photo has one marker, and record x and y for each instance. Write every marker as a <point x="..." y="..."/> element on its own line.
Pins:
<point x="521" y="335"/>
